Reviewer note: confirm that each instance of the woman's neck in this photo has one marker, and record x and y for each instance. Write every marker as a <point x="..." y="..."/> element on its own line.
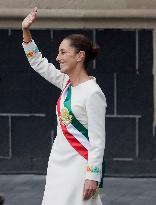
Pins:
<point x="78" y="77"/>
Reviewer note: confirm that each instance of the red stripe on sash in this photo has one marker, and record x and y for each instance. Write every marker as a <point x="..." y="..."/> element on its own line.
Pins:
<point x="71" y="139"/>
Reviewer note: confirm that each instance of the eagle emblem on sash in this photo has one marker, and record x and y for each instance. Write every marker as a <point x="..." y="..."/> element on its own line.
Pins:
<point x="65" y="116"/>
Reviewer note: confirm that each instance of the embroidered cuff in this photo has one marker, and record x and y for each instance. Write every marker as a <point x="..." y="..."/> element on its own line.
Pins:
<point x="30" y="49"/>
<point x="93" y="169"/>
<point x="93" y="173"/>
<point x="31" y="53"/>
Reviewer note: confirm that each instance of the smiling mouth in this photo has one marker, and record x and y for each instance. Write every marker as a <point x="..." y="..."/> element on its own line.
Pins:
<point x="61" y="64"/>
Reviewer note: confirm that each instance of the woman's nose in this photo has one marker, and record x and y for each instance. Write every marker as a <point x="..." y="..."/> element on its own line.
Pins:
<point x="58" y="57"/>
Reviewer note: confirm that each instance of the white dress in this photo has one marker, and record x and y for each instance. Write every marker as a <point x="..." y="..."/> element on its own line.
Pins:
<point x="67" y="168"/>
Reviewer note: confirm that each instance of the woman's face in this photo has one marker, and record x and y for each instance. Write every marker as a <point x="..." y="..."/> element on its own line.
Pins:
<point x="67" y="57"/>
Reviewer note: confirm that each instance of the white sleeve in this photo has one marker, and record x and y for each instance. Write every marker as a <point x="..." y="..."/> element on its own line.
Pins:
<point x="41" y="65"/>
<point x="96" y="109"/>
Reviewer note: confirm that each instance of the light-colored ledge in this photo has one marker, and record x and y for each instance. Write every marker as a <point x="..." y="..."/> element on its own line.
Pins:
<point x="80" y="18"/>
<point x="82" y="14"/>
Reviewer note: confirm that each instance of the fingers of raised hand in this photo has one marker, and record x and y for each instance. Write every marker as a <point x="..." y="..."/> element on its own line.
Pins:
<point x="32" y="14"/>
<point x="30" y="18"/>
<point x="35" y="9"/>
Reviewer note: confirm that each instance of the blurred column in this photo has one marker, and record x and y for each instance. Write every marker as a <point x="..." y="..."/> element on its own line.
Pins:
<point x="154" y="72"/>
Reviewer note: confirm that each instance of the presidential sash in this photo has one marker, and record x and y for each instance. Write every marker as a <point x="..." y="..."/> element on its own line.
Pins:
<point x="73" y="130"/>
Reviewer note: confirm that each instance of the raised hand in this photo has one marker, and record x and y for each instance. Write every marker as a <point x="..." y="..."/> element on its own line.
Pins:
<point x="29" y="19"/>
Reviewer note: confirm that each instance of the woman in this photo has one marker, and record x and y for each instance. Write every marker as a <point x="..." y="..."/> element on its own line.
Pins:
<point x="75" y="163"/>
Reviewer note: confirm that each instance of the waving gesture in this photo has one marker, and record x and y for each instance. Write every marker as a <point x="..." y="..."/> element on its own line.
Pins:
<point x="30" y="18"/>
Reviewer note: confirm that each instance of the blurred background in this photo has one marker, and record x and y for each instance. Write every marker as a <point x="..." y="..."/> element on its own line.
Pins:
<point x="125" y="70"/>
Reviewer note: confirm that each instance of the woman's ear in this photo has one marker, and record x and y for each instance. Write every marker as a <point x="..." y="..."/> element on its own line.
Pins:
<point x="81" y="56"/>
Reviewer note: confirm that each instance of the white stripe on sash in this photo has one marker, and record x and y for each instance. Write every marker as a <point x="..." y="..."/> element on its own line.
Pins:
<point x="78" y="135"/>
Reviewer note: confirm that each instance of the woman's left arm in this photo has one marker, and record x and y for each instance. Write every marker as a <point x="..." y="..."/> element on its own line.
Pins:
<point x="96" y="109"/>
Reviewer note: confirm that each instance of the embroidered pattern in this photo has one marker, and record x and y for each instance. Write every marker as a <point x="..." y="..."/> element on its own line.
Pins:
<point x="93" y="169"/>
<point x="30" y="54"/>
<point x="65" y="116"/>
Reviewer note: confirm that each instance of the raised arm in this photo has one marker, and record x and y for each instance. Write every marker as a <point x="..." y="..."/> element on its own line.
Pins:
<point x="27" y="22"/>
<point x="37" y="62"/>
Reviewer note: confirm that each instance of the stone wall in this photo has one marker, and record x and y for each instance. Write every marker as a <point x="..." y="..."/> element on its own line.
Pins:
<point x="124" y="70"/>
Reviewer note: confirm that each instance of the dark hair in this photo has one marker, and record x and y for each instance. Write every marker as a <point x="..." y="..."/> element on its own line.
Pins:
<point x="82" y="43"/>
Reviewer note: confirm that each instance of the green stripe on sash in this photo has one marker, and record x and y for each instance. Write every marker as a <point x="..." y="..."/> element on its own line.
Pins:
<point x="74" y="122"/>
